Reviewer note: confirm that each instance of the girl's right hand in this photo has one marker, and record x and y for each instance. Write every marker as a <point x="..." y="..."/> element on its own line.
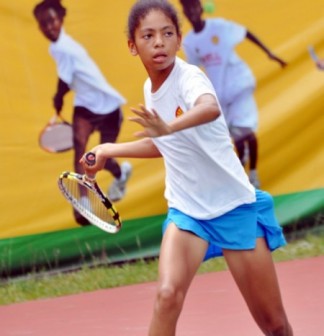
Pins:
<point x="153" y="125"/>
<point x="99" y="164"/>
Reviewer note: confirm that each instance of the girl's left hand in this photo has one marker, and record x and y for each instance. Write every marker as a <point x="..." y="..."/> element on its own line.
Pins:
<point x="153" y="125"/>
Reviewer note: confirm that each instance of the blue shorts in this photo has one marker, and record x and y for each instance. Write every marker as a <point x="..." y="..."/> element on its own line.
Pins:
<point x="237" y="229"/>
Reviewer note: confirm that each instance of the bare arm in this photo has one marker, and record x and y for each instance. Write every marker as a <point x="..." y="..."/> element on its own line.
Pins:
<point x="260" y="44"/>
<point x="205" y="110"/>
<point x="143" y="148"/>
<point x="61" y="91"/>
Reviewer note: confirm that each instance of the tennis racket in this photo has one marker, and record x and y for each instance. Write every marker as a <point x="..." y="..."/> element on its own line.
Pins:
<point x="56" y="136"/>
<point x="86" y="197"/>
<point x="312" y="54"/>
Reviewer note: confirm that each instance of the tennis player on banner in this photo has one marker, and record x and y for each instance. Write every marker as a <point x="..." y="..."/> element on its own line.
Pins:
<point x="97" y="105"/>
<point x="213" y="208"/>
<point x="211" y="44"/>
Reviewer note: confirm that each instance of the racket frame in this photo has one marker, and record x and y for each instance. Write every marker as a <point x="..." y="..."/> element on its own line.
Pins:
<point x="92" y="186"/>
<point x="55" y="120"/>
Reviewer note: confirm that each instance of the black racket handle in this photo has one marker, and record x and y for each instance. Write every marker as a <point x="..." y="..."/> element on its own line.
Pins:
<point x="90" y="158"/>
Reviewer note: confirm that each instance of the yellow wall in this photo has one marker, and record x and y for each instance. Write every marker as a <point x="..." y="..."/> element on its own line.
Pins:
<point x="291" y="103"/>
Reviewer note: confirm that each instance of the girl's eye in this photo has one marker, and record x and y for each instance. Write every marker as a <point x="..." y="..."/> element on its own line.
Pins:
<point x="147" y="36"/>
<point x="170" y="33"/>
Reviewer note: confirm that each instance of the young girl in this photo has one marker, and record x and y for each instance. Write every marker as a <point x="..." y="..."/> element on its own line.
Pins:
<point x="97" y="105"/>
<point x="211" y="44"/>
<point x="213" y="208"/>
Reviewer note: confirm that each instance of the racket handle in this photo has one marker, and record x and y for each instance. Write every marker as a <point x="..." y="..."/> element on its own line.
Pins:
<point x="90" y="159"/>
<point x="53" y="119"/>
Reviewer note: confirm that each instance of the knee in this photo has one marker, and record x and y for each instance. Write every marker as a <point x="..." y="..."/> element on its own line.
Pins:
<point x="169" y="299"/>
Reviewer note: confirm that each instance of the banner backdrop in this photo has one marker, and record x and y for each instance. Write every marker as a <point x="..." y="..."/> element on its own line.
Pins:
<point x="291" y="104"/>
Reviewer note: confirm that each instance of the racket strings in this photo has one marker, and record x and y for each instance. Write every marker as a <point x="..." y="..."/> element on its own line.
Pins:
<point x="88" y="202"/>
<point x="57" y="138"/>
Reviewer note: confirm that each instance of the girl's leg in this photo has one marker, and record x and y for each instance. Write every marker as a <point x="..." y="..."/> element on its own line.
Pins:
<point x="243" y="136"/>
<point x="82" y="129"/>
<point x="255" y="275"/>
<point x="253" y="150"/>
<point x="246" y="136"/>
<point x="240" y="148"/>
<point x="181" y="255"/>
<point x="252" y="143"/>
<point x="109" y="128"/>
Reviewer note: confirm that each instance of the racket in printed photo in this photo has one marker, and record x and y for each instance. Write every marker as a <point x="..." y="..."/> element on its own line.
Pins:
<point x="86" y="197"/>
<point x="56" y="136"/>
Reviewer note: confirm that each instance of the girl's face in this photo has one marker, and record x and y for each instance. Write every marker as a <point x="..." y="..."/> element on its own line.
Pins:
<point x="50" y="23"/>
<point x="156" y="42"/>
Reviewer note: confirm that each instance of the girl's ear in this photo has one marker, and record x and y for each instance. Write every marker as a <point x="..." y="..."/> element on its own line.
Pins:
<point x="132" y="48"/>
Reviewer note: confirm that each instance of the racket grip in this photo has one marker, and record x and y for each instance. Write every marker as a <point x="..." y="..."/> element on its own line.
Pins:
<point x="90" y="159"/>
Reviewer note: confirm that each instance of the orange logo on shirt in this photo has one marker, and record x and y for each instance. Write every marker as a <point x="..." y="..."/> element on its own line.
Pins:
<point x="178" y="112"/>
<point x="215" y="40"/>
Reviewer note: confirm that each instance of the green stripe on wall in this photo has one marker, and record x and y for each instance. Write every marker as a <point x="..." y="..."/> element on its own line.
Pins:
<point x="139" y="238"/>
<point x="294" y="207"/>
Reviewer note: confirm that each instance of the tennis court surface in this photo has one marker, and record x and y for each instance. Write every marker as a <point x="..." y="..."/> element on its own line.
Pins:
<point x="213" y="307"/>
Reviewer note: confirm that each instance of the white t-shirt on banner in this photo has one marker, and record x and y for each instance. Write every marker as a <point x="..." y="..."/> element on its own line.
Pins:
<point x="76" y="68"/>
<point x="204" y="177"/>
<point x="213" y="48"/>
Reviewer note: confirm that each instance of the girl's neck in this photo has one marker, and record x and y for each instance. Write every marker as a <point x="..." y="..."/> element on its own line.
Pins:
<point x="158" y="77"/>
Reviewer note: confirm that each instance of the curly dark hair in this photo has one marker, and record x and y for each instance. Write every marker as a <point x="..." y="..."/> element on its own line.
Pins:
<point x="143" y="7"/>
<point x="47" y="4"/>
<point x="189" y="2"/>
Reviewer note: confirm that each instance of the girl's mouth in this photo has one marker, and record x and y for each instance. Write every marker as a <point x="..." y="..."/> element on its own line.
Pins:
<point x="159" y="58"/>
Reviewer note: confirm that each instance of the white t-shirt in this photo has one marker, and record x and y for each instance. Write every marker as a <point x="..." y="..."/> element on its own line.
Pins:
<point x="204" y="177"/>
<point x="79" y="71"/>
<point x="213" y="48"/>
